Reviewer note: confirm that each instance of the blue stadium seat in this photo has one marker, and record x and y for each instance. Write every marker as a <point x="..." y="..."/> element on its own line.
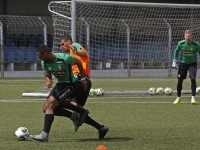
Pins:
<point x="22" y="39"/>
<point x="108" y="51"/>
<point x="91" y="52"/>
<point x="9" y="54"/>
<point x="49" y="40"/>
<point x="14" y="37"/>
<point x="98" y="51"/>
<point x="40" y="39"/>
<point x="32" y="40"/>
<point x="30" y="55"/>
<point x="115" y="52"/>
<point x="20" y="54"/>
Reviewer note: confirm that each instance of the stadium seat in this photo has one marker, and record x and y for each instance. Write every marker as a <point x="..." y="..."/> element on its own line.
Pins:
<point x="123" y="53"/>
<point x="40" y="39"/>
<point x="98" y="51"/>
<point x="91" y="52"/>
<point x="108" y="51"/>
<point x="49" y="40"/>
<point x="20" y="54"/>
<point x="32" y="40"/>
<point x="9" y="54"/>
<point x="115" y="52"/>
<point x="30" y="55"/>
<point x="22" y="39"/>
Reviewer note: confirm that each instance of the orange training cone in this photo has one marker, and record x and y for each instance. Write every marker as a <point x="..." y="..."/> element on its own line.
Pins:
<point x="101" y="147"/>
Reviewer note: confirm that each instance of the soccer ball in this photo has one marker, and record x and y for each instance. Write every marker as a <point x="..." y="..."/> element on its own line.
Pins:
<point x="168" y="91"/>
<point x="92" y="91"/>
<point x="159" y="91"/>
<point x="22" y="133"/>
<point x="99" y="92"/>
<point x="198" y="90"/>
<point x="152" y="91"/>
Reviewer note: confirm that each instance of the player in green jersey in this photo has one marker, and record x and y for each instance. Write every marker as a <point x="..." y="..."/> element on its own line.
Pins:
<point x="59" y="65"/>
<point x="188" y="49"/>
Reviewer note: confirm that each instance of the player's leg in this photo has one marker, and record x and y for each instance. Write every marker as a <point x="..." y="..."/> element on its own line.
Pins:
<point x="193" y="72"/>
<point x="49" y="105"/>
<point x="79" y="114"/>
<point x="182" y="74"/>
<point x="80" y="101"/>
<point x="57" y="95"/>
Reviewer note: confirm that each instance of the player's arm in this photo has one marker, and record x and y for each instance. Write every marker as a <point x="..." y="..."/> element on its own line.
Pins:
<point x="81" y="52"/>
<point x="198" y="48"/>
<point x="48" y="76"/>
<point x="48" y="79"/>
<point x="80" y="67"/>
<point x="176" y="51"/>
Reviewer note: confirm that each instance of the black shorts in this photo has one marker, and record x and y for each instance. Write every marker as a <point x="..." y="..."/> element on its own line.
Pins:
<point x="81" y="94"/>
<point x="183" y="68"/>
<point x="62" y="91"/>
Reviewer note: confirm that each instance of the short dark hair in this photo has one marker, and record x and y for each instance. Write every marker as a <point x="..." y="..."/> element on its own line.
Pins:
<point x="65" y="37"/>
<point x="43" y="49"/>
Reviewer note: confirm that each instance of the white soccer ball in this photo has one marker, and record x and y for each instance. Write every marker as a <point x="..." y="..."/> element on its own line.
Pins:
<point x="159" y="91"/>
<point x="168" y="91"/>
<point x="99" y="92"/>
<point x="92" y="92"/>
<point x="152" y="91"/>
<point x="22" y="133"/>
<point x="198" y="90"/>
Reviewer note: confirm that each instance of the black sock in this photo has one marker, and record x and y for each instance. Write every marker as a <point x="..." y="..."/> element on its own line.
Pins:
<point x="193" y="87"/>
<point x="179" y="87"/>
<point x="48" y="120"/>
<point x="70" y="106"/>
<point x="93" y="123"/>
<point x="59" y="111"/>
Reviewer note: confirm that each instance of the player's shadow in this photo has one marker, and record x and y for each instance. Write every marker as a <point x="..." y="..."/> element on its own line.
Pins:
<point x="111" y="139"/>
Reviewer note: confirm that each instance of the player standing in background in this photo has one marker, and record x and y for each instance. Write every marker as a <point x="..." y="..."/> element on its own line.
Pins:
<point x="59" y="64"/>
<point x="188" y="62"/>
<point x="79" y="52"/>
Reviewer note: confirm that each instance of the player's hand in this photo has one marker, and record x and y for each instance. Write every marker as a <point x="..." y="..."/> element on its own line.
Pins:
<point x="48" y="83"/>
<point x="174" y="64"/>
<point x="72" y="48"/>
<point x="84" y="83"/>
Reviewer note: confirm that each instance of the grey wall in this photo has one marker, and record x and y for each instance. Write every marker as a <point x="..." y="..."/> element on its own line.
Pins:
<point x="26" y="7"/>
<point x="1" y="7"/>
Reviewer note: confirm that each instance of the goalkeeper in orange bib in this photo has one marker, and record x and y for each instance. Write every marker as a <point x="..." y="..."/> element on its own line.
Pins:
<point x="188" y="49"/>
<point x="79" y="52"/>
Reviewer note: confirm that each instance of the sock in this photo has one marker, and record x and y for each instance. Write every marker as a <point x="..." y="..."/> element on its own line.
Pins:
<point x="59" y="111"/>
<point x="73" y="116"/>
<point x="70" y="106"/>
<point x="193" y="87"/>
<point x="93" y="123"/>
<point x="193" y="96"/>
<point x="44" y="134"/>
<point x="179" y="87"/>
<point x="48" y="120"/>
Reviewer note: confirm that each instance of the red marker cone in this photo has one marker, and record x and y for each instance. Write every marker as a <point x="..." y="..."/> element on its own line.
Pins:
<point x="101" y="147"/>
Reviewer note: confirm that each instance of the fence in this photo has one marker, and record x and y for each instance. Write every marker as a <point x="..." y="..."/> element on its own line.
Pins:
<point x="19" y="37"/>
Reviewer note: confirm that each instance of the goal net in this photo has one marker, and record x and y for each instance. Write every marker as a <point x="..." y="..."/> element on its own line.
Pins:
<point x="130" y="44"/>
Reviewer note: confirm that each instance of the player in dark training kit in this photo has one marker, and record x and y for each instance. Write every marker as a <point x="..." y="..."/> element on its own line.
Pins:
<point x="188" y="49"/>
<point x="79" y="52"/>
<point x="59" y="65"/>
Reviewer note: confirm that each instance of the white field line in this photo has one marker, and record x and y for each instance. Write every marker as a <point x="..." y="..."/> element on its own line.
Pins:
<point x="131" y="100"/>
<point x="127" y="102"/>
<point x="21" y="80"/>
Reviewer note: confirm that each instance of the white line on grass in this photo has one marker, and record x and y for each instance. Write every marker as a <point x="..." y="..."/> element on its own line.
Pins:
<point x="126" y="102"/>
